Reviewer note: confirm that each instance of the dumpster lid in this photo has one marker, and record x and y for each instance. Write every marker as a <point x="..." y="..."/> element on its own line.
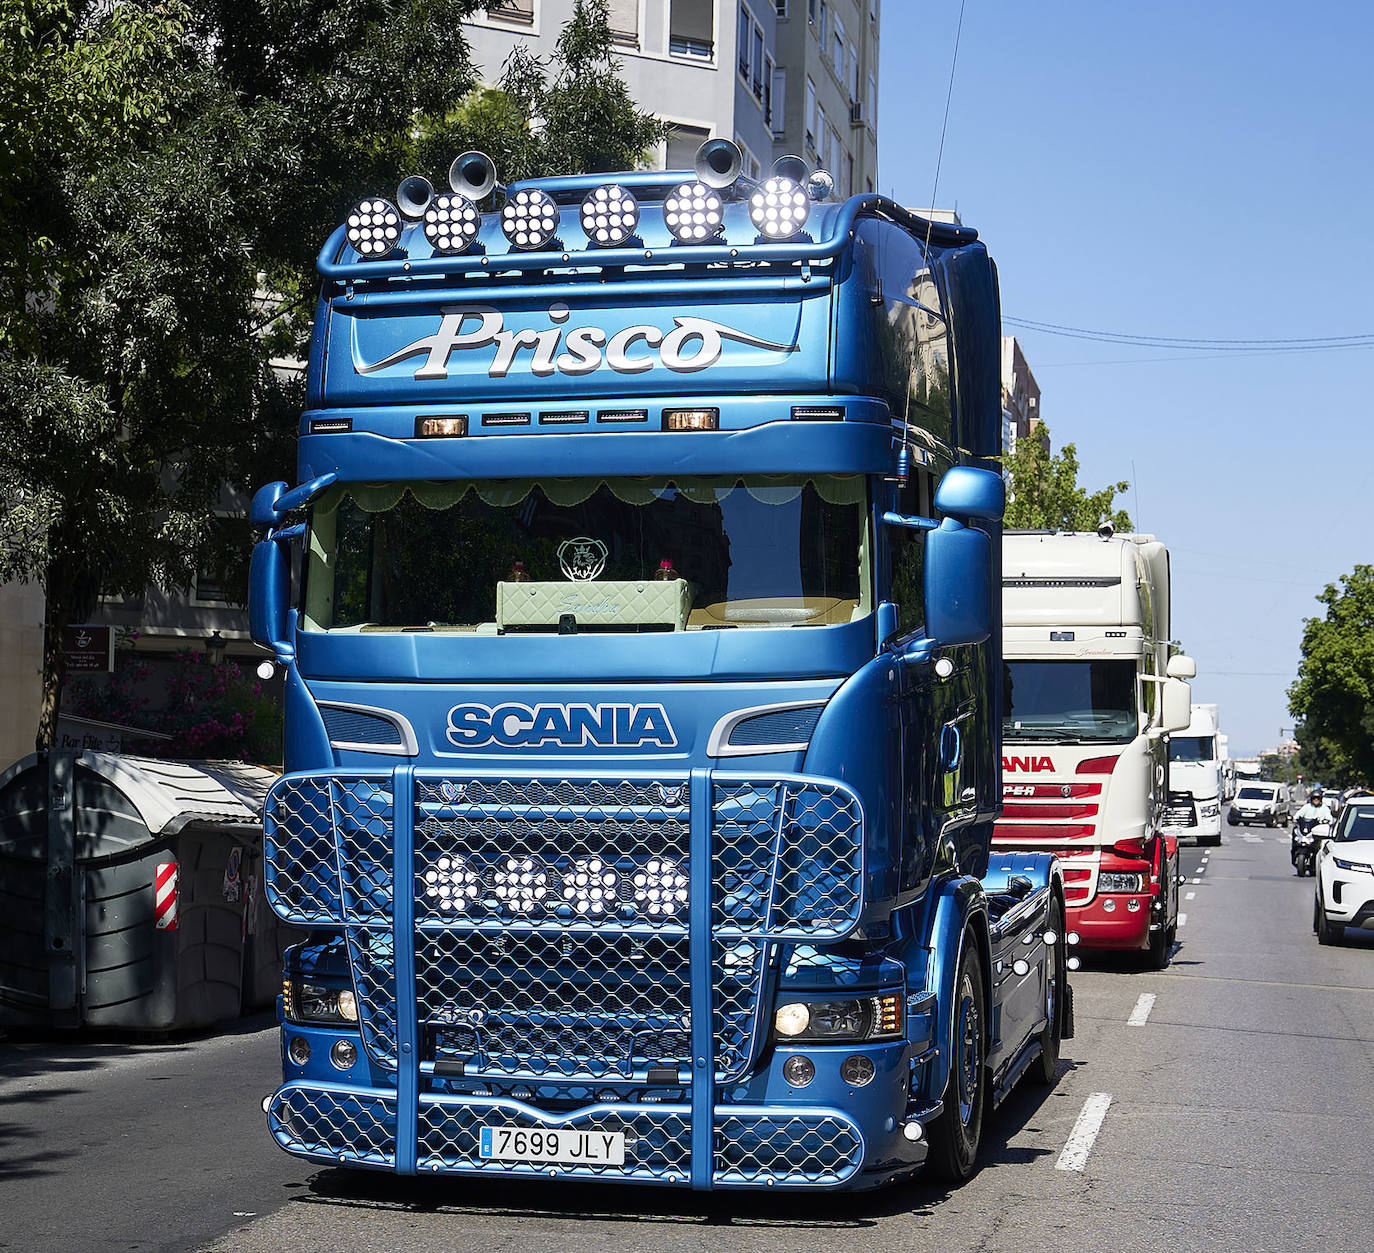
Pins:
<point x="168" y="795"/>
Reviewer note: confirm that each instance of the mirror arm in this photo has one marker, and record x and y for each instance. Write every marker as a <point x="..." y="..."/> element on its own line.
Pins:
<point x="910" y="521"/>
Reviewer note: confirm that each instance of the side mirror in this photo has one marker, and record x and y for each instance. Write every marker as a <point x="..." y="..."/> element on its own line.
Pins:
<point x="263" y="511"/>
<point x="269" y="591"/>
<point x="958" y="583"/>
<point x="965" y="492"/>
<point x="1177" y="701"/>
<point x="1181" y="667"/>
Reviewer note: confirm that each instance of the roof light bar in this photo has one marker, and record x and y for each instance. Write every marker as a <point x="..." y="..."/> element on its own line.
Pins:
<point x="452" y="223"/>
<point x="373" y="228"/>
<point x="694" y="213"/>
<point x="779" y="208"/>
<point x="530" y="219"/>
<point x="610" y="215"/>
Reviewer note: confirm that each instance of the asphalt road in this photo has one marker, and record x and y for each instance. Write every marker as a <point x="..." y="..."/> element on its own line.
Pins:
<point x="1236" y="1086"/>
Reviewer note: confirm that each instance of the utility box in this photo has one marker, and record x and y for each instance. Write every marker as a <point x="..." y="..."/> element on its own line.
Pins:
<point x="130" y="893"/>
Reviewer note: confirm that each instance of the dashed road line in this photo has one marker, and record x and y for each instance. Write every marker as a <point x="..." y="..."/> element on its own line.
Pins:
<point x="1080" y="1142"/>
<point x="1197" y="879"/>
<point x="1182" y="918"/>
<point x="1188" y="896"/>
<point x="1140" y="1015"/>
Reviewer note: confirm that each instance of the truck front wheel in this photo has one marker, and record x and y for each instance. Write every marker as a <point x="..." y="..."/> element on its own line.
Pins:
<point x="1046" y="1067"/>
<point x="956" y="1135"/>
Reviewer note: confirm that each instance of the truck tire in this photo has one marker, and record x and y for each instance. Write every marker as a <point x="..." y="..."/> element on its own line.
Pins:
<point x="1045" y="1068"/>
<point x="1231" y="819"/>
<point x="957" y="1134"/>
<point x="1327" y="931"/>
<point x="1160" y="951"/>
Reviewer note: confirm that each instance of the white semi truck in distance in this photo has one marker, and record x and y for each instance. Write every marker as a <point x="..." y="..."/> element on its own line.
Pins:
<point x="1228" y="769"/>
<point x="1089" y="697"/>
<point x="1195" y="779"/>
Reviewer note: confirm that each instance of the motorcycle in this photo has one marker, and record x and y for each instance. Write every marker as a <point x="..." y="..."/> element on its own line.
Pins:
<point x="1308" y="834"/>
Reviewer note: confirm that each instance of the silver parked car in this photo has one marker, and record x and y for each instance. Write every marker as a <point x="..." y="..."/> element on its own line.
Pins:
<point x="1259" y="802"/>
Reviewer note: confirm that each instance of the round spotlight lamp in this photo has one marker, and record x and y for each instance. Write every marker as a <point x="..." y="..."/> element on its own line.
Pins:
<point x="452" y="223"/>
<point x="530" y="219"/>
<point x="778" y="209"/>
<point x="798" y="1071"/>
<point x="452" y="886"/>
<point x="522" y="883"/>
<point x="693" y="213"/>
<point x="609" y="215"/>
<point x="373" y="228"/>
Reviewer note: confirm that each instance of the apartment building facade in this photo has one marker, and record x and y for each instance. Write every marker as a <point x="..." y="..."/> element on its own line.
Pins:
<point x="776" y="76"/>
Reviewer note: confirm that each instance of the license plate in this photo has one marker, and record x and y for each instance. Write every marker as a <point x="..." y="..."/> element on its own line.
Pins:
<point x="573" y="1148"/>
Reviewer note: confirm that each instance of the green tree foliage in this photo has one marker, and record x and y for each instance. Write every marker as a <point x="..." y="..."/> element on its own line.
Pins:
<point x="1333" y="694"/>
<point x="1043" y="492"/>
<point x="168" y="171"/>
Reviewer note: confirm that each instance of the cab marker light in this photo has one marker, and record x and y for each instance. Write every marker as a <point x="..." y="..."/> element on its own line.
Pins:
<point x="505" y="419"/>
<point x="440" y="428"/>
<point x="817" y="413"/>
<point x="691" y="419"/>
<point x="622" y="415"/>
<point x="330" y="426"/>
<point x="564" y="417"/>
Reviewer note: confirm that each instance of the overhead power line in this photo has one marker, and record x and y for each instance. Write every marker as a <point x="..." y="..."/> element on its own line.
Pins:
<point x="1324" y="343"/>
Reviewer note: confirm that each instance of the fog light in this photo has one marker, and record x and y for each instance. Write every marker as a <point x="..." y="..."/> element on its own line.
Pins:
<point x="1109" y="906"/>
<point x="343" y="1054"/>
<point x="441" y="428"/>
<point x="857" y="1071"/>
<point x="1133" y="905"/>
<point x="913" y="1131"/>
<point x="299" y="1050"/>
<point x="691" y="419"/>
<point x="798" y="1071"/>
<point x="792" y="1019"/>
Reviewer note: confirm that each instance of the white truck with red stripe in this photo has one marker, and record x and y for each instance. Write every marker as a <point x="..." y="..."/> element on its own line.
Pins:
<point x="1089" y="697"/>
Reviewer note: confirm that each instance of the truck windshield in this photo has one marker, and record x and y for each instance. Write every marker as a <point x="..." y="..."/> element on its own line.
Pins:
<point x="1069" y="700"/>
<point x="1192" y="748"/>
<point x="596" y="554"/>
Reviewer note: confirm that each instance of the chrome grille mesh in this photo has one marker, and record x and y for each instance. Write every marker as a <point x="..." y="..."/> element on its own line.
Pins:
<point x="344" y="1126"/>
<point x="551" y="942"/>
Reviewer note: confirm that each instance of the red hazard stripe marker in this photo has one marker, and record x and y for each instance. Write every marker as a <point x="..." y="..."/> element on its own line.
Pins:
<point x="165" y="896"/>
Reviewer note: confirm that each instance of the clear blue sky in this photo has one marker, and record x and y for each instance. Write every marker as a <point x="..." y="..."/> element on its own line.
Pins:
<point x="1200" y="170"/>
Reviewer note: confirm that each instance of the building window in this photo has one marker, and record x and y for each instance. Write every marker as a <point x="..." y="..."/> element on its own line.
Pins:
<point x="746" y="26"/>
<point x="811" y="6"/>
<point x="750" y="163"/>
<point x="624" y="19"/>
<point x="838" y="51"/>
<point x="780" y="8"/>
<point x="759" y="78"/>
<point x="691" y="30"/>
<point x="777" y="102"/>
<point x="683" y="142"/>
<point x="520" y="11"/>
<point x="823" y="25"/>
<point x="809" y="120"/>
<point x="873" y="101"/>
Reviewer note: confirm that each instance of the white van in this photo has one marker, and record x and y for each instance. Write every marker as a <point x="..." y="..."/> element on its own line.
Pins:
<point x="1259" y="802"/>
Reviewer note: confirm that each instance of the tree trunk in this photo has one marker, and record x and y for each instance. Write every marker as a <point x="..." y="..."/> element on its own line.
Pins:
<point x="58" y="584"/>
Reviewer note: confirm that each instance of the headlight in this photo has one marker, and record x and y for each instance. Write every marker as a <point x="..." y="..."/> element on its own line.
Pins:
<point x="314" y="1002"/>
<point x="1210" y="810"/>
<point x="1115" y="881"/>
<point x="1353" y="865"/>
<point x="856" y="1018"/>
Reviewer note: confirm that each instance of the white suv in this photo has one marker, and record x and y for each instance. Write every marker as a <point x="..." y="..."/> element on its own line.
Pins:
<point x="1345" y="874"/>
<point x="1259" y="802"/>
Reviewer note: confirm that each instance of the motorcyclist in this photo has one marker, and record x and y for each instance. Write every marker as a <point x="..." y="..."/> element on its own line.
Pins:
<point x="1316" y="810"/>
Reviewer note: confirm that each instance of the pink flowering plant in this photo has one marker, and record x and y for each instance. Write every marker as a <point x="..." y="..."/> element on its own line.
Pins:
<point x="209" y="711"/>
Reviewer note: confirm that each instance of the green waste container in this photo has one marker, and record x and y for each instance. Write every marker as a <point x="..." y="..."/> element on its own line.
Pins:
<point x="131" y="893"/>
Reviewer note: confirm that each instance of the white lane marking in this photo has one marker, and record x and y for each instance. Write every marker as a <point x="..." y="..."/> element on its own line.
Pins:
<point x="1080" y="1142"/>
<point x="1141" y="1013"/>
<point x="1182" y="918"/>
<point x="1197" y="879"/>
<point x="1188" y="896"/>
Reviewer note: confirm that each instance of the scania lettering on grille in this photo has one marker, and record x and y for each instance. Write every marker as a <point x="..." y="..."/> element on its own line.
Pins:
<point x="692" y="344"/>
<point x="1031" y="764"/>
<point x="568" y="726"/>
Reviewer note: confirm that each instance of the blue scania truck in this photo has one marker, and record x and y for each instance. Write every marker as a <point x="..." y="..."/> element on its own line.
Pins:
<point x="638" y="603"/>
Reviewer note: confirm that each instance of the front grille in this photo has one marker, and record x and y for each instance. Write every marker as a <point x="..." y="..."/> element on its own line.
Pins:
<point x="551" y="933"/>
<point x="344" y="1126"/>
<point x="1179" y="811"/>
